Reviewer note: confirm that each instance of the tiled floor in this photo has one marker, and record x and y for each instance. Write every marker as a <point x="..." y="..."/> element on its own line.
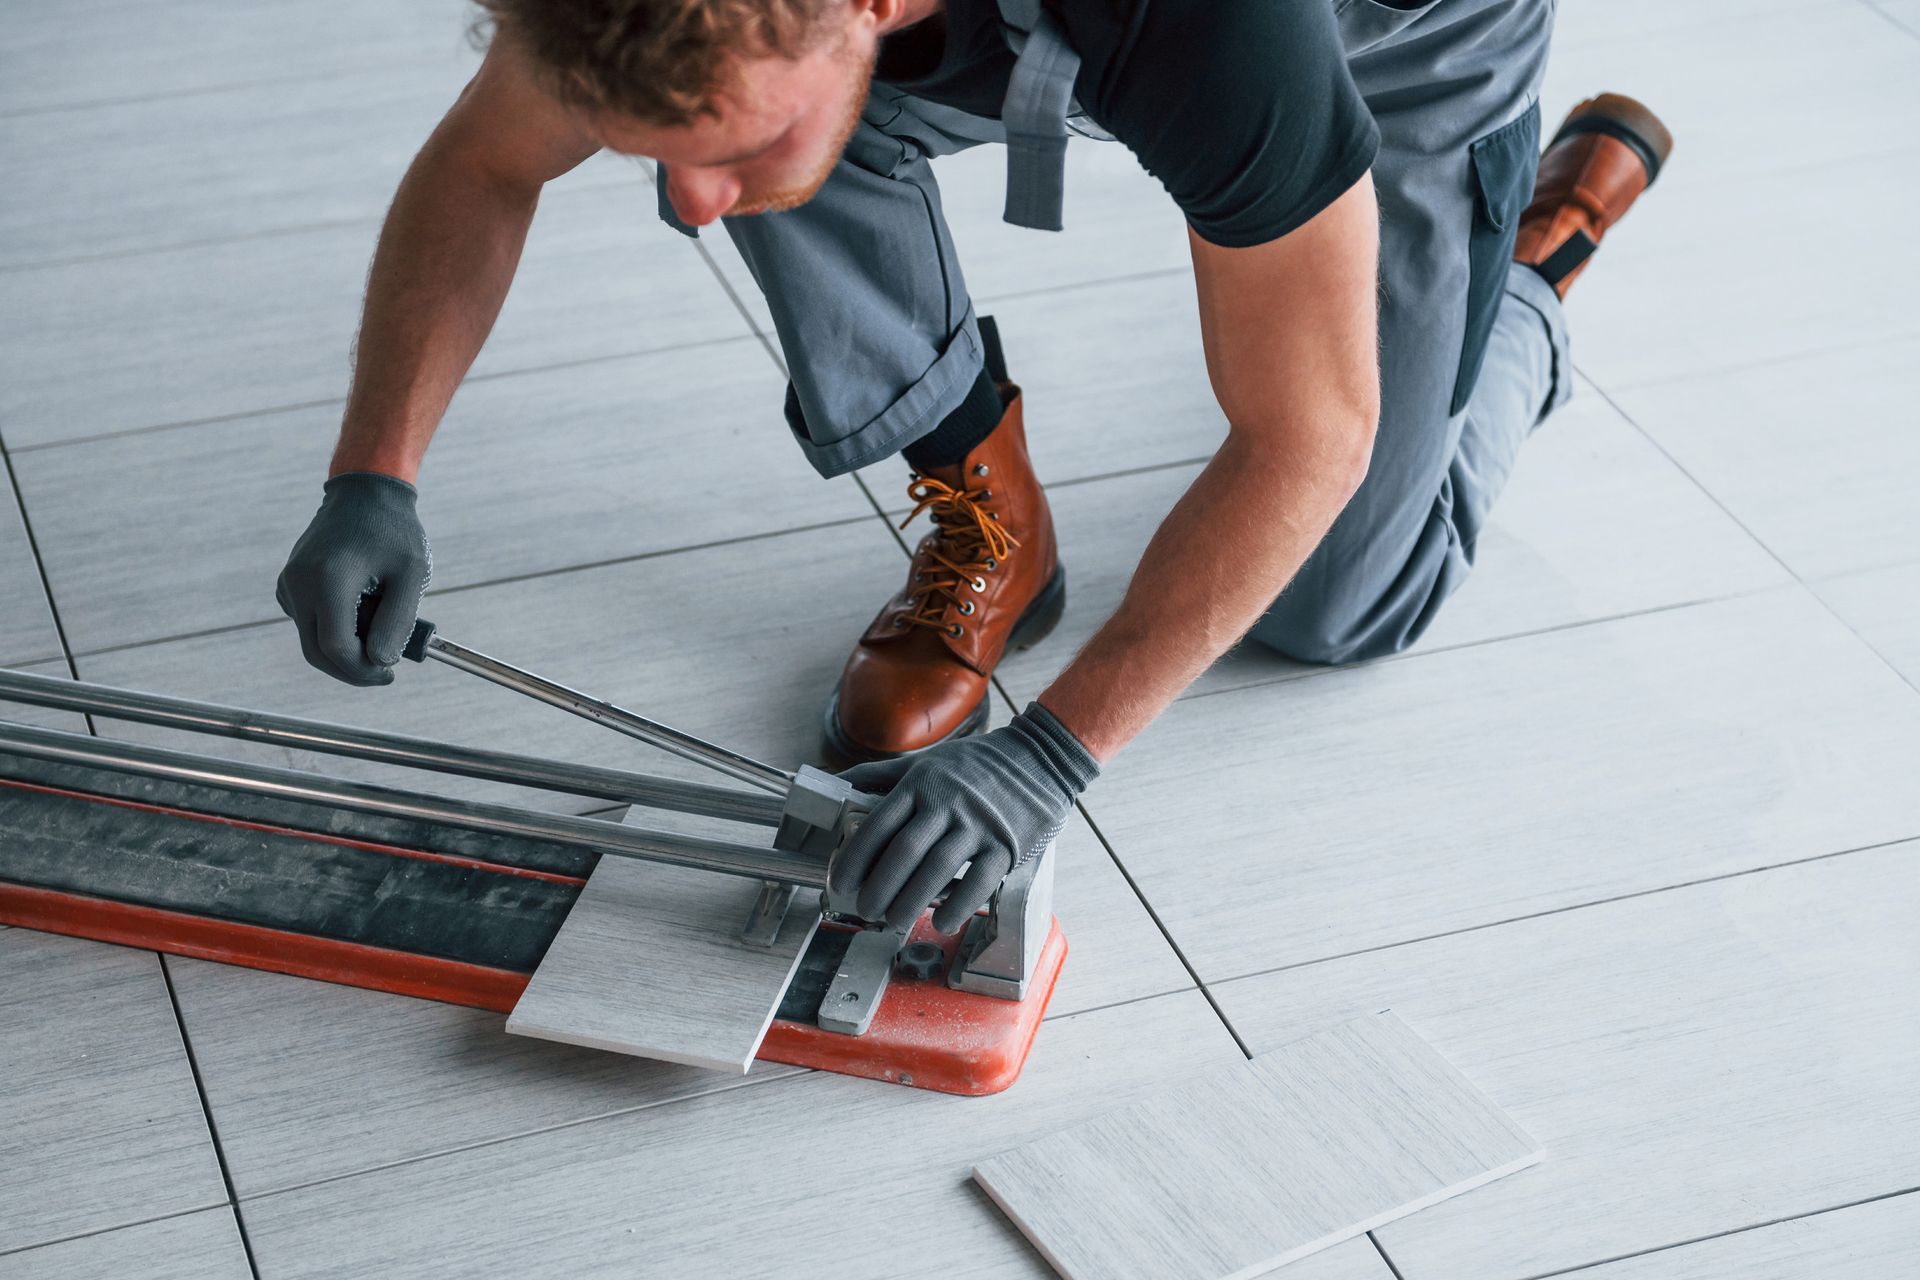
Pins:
<point x="1633" y="837"/>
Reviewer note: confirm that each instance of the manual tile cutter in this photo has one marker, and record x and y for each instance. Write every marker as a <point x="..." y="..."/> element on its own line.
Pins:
<point x="457" y="900"/>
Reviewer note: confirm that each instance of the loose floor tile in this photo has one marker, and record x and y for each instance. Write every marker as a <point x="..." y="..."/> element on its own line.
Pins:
<point x="1810" y="454"/>
<point x="27" y="633"/>
<point x="193" y="1246"/>
<point x="650" y="962"/>
<point x="604" y="475"/>
<point x="1881" y="1238"/>
<point x="1290" y="822"/>
<point x="741" y="1183"/>
<point x="1258" y="1164"/>
<point x="1656" y="306"/>
<point x="1696" y="1061"/>
<point x="105" y="50"/>
<point x="268" y="322"/>
<point x="99" y="1122"/>
<point x="1880" y="606"/>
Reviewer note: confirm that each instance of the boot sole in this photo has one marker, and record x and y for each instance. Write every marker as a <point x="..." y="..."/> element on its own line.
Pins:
<point x="1036" y="623"/>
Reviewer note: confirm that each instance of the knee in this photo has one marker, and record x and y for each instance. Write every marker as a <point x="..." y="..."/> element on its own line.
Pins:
<point x="1332" y="628"/>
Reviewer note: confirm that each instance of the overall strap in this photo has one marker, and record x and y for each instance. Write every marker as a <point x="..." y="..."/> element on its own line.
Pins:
<point x="1039" y="98"/>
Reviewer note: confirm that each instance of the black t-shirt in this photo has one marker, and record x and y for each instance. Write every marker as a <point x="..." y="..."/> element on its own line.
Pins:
<point x="1243" y="109"/>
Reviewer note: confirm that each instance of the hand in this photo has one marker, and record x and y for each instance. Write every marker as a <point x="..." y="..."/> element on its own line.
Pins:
<point x="365" y="538"/>
<point x="994" y="800"/>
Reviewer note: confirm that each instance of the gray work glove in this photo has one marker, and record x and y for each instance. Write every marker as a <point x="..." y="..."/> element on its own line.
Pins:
<point x="994" y="799"/>
<point x="365" y="539"/>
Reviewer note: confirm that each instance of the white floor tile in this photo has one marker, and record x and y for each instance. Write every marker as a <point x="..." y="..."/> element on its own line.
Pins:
<point x="251" y="325"/>
<point x="1884" y="607"/>
<point x="1817" y="456"/>
<point x="530" y="473"/>
<point x="114" y="50"/>
<point x="102" y="1125"/>
<point x="1881" y="1238"/>
<point x="644" y="1192"/>
<point x="1695" y="1061"/>
<point x="1320" y="816"/>
<point x="194" y="1246"/>
<point x="27" y="633"/>
<point x="1582" y="24"/>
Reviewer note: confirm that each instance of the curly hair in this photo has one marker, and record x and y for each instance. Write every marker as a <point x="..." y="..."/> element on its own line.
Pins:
<point x="655" y="60"/>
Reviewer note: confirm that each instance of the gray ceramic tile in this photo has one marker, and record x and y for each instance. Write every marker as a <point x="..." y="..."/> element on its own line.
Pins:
<point x="1684" y="288"/>
<point x="103" y="1127"/>
<point x="1119" y="222"/>
<point x="1594" y="524"/>
<point x="1884" y="608"/>
<point x="250" y="325"/>
<point x="1905" y="14"/>
<point x="27" y="633"/>
<point x="1693" y="66"/>
<point x="194" y="1246"/>
<point x="1816" y="455"/>
<point x="1581" y="24"/>
<point x="124" y="177"/>
<point x="530" y="473"/>
<point x="1881" y="1238"/>
<point x="644" y="1192"/>
<point x="1696" y="1061"/>
<point x="1295" y="821"/>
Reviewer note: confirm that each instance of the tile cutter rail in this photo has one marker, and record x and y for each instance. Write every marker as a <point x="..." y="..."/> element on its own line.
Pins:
<point x="456" y="900"/>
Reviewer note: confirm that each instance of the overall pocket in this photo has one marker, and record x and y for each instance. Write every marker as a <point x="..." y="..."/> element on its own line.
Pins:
<point x="1504" y="164"/>
<point x="1366" y="23"/>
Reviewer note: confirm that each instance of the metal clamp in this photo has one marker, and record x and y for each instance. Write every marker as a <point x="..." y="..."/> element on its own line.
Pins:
<point x="999" y="950"/>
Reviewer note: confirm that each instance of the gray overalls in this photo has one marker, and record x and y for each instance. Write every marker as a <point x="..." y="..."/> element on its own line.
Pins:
<point x="881" y="341"/>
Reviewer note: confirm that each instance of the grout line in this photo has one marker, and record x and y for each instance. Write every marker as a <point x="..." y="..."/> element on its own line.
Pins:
<point x="505" y="580"/>
<point x="296" y="406"/>
<point x="206" y="1110"/>
<point x="1895" y="22"/>
<point x="1385" y="1256"/>
<point x="1076" y="286"/>
<point x="1697" y="374"/>
<point x="40" y="567"/>
<point x="1757" y="539"/>
<point x="165" y="95"/>
<point x="1734" y="1231"/>
<point x="1574" y="906"/>
<point x="118" y="1226"/>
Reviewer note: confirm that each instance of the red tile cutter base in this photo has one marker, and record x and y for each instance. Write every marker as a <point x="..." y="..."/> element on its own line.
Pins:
<point x="276" y="869"/>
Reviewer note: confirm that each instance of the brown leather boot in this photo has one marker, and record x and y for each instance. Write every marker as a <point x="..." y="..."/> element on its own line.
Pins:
<point x="985" y="577"/>
<point x="1609" y="150"/>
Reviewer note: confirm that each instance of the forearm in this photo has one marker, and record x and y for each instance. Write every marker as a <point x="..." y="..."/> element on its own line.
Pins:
<point x="1228" y="547"/>
<point x="445" y="260"/>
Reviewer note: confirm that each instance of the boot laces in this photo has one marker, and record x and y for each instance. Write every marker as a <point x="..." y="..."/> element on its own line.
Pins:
<point x="968" y="543"/>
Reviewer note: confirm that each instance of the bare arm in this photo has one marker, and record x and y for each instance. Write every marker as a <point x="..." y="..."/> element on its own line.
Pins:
<point x="447" y="254"/>
<point x="1290" y="334"/>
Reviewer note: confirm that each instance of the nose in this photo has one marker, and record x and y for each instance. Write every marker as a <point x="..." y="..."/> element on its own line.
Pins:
<point x="701" y="195"/>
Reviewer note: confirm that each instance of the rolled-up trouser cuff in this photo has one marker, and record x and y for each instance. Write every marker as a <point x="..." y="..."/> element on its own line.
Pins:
<point x="1528" y="286"/>
<point x="915" y="412"/>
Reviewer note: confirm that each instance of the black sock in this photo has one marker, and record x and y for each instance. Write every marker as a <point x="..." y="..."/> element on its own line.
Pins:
<point x="960" y="431"/>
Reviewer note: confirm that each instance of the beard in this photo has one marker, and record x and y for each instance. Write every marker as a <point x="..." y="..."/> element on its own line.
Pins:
<point x="859" y="78"/>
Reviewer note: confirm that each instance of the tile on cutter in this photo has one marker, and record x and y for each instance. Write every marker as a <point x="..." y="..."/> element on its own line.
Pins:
<point x="1707" y="1059"/>
<point x="1091" y="404"/>
<point x="308" y="1080"/>
<point x="98" y="50"/>
<point x="650" y="963"/>
<point x="123" y="177"/>
<point x="741" y="1183"/>
<point x="1880" y="606"/>
<point x="244" y="326"/>
<point x="1211" y="1179"/>
<point x="103" y="1125"/>
<point x="1699" y="75"/>
<point x="1290" y="822"/>
<point x="1559" y="550"/>
<point x="194" y="1246"/>
<point x="531" y="473"/>
<point x="27" y="633"/>
<point x="1657" y="306"/>
<point x="739" y="644"/>
<point x="1818" y="455"/>
<point x="1881" y="1238"/>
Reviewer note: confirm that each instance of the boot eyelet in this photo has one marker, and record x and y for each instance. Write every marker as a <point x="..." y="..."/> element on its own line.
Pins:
<point x="985" y="494"/>
<point x="992" y="563"/>
<point x="899" y="621"/>
<point x="966" y="607"/>
<point x="978" y="584"/>
<point x="956" y="630"/>
<point x="979" y="468"/>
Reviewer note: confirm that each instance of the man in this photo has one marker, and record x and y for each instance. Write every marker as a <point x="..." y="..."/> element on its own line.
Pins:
<point x="1379" y="279"/>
